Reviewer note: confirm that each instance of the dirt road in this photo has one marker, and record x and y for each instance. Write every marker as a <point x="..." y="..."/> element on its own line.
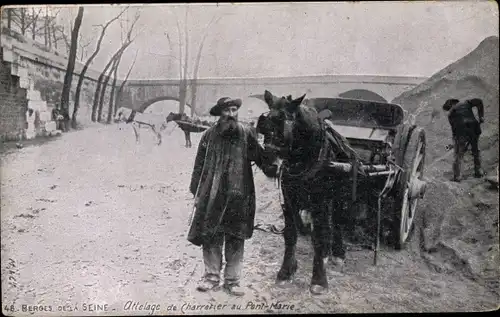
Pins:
<point x="92" y="222"/>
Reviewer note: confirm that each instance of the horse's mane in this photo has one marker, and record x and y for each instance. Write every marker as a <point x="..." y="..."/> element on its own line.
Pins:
<point x="309" y="116"/>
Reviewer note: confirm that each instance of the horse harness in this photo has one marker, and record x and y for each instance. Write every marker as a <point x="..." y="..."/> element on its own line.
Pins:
<point x="326" y="139"/>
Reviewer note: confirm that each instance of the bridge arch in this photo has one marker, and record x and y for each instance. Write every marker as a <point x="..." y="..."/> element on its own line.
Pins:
<point x="363" y="94"/>
<point x="151" y="101"/>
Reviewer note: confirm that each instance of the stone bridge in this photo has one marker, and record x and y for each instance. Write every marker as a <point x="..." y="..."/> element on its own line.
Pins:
<point x="32" y="76"/>
<point x="140" y="94"/>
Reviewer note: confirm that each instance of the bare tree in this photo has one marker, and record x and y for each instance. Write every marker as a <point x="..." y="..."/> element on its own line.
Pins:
<point x="83" y="47"/>
<point x="184" y="62"/>
<point x="58" y="34"/>
<point x="87" y="65"/>
<point x="194" y="82"/>
<point x="55" y="38"/>
<point x="113" y="87"/>
<point x="34" y="17"/>
<point x="120" y="89"/>
<point x="8" y="16"/>
<point x="21" y="19"/>
<point x="46" y="27"/>
<point x="71" y="62"/>
<point x="105" y="86"/>
<point x="67" y="42"/>
<point x="183" y="73"/>
<point x="97" y="105"/>
<point x="48" y="24"/>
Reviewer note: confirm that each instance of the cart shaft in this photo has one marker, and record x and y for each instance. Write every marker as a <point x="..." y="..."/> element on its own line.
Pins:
<point x="347" y="167"/>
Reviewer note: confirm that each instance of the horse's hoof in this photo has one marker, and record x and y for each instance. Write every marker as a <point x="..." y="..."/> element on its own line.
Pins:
<point x="318" y="289"/>
<point x="282" y="283"/>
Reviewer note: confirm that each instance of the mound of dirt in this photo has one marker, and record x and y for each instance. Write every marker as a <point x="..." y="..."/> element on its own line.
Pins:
<point x="460" y="220"/>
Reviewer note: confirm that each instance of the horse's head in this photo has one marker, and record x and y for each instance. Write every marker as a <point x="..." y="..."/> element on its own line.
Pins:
<point x="288" y="125"/>
<point x="173" y="116"/>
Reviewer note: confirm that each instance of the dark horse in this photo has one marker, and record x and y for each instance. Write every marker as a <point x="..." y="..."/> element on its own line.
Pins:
<point x="188" y="125"/>
<point x="306" y="144"/>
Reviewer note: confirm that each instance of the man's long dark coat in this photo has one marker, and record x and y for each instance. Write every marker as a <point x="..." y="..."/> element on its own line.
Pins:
<point x="223" y="185"/>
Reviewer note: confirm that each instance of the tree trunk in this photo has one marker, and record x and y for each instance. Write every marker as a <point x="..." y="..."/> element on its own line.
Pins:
<point x="46" y="29"/>
<point x="33" y="24"/>
<point x="49" y="38"/>
<point x="97" y="93"/>
<point x="194" y="82"/>
<point x="23" y="21"/>
<point x="86" y="67"/>
<point x="54" y="37"/>
<point x="183" y="95"/>
<point x="120" y="90"/>
<point x="105" y="85"/>
<point x="9" y="19"/>
<point x="71" y="61"/>
<point x="103" y="91"/>
<point x="112" y="95"/>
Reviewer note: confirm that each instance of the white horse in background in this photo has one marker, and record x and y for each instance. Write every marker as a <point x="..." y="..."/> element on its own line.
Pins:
<point x="157" y="123"/>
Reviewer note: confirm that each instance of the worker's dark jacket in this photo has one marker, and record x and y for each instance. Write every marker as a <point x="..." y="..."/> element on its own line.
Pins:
<point x="222" y="182"/>
<point x="462" y="119"/>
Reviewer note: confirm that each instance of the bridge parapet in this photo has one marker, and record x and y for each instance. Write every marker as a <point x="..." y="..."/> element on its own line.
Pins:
<point x="139" y="94"/>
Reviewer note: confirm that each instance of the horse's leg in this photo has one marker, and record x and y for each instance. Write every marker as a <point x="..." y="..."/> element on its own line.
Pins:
<point x="337" y="240"/>
<point x="158" y="135"/>
<point x="136" y="133"/>
<point x="189" y="138"/>
<point x="186" y="136"/>
<point x="291" y="215"/>
<point x="321" y="239"/>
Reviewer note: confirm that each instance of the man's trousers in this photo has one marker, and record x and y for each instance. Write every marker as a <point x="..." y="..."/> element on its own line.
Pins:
<point x="212" y="257"/>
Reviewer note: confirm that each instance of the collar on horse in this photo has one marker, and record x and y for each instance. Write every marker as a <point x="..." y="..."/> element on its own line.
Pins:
<point x="309" y="172"/>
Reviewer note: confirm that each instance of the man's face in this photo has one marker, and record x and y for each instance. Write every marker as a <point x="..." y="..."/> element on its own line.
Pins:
<point x="228" y="120"/>
<point x="230" y="112"/>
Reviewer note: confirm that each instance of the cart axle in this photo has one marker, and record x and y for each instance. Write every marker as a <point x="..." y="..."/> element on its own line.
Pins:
<point x="417" y="188"/>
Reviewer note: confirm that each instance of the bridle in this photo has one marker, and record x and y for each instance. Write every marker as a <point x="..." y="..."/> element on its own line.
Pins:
<point x="285" y="138"/>
<point x="286" y="143"/>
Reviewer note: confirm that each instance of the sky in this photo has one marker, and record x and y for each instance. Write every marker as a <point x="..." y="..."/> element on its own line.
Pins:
<point x="293" y="39"/>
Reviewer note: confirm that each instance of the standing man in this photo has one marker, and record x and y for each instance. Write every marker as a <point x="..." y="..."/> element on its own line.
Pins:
<point x="466" y="131"/>
<point x="223" y="186"/>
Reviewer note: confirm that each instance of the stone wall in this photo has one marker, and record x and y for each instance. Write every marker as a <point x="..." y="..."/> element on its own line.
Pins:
<point x="13" y="104"/>
<point x="40" y="73"/>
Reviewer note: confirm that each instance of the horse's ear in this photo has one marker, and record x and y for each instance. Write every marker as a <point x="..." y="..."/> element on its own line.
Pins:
<point x="294" y="104"/>
<point x="268" y="98"/>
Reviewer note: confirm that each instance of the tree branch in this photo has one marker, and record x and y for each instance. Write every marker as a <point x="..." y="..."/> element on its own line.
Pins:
<point x="87" y="65"/>
<point x="97" y="105"/>
<point x="186" y="51"/>
<point x="180" y="49"/>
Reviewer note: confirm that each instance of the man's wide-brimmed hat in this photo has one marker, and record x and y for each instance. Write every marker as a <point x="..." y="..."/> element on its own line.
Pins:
<point x="450" y="103"/>
<point x="224" y="103"/>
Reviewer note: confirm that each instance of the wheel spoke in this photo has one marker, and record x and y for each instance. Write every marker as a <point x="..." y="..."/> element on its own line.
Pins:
<point x="418" y="159"/>
<point x="404" y="215"/>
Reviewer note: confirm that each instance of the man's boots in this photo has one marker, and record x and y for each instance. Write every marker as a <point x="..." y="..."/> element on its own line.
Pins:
<point x="456" y="170"/>
<point x="478" y="172"/>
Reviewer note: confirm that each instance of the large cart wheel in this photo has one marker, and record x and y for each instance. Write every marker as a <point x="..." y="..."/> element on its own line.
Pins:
<point x="403" y="133"/>
<point x="411" y="187"/>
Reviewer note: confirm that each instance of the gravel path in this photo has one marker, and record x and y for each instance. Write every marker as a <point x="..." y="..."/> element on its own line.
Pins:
<point x="95" y="222"/>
